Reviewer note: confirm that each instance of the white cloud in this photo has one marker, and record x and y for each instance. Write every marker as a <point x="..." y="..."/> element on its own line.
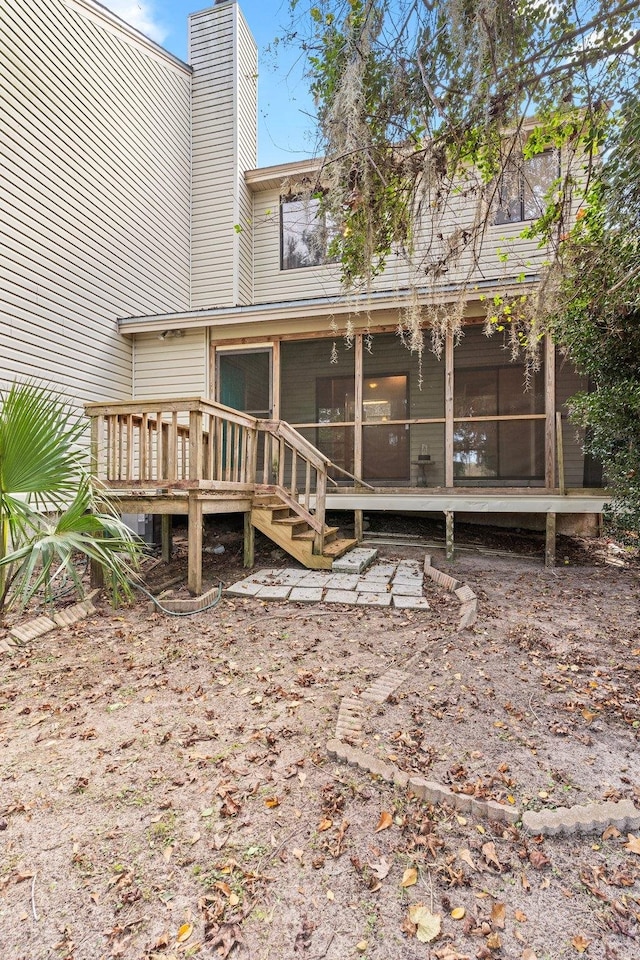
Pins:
<point x="142" y="16"/>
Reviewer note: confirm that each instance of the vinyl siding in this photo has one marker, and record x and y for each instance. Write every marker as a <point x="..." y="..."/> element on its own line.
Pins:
<point x="224" y="60"/>
<point x="94" y="193"/>
<point x="247" y="148"/>
<point x="271" y="284"/>
<point x="174" y="367"/>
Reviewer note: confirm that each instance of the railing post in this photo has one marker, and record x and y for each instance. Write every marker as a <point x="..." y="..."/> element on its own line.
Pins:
<point x="159" y="446"/>
<point x="144" y="447"/>
<point x="195" y="446"/>
<point x="172" y="448"/>
<point x="321" y="492"/>
<point x="94" y="463"/>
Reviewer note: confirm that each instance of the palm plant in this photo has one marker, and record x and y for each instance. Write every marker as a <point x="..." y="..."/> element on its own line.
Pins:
<point x="50" y="510"/>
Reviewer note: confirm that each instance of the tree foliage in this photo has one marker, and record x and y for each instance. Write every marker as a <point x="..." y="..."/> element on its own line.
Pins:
<point x="427" y="104"/>
<point x="597" y="320"/>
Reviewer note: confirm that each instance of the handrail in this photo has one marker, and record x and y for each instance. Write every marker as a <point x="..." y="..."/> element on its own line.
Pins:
<point x="282" y="429"/>
<point x="358" y="480"/>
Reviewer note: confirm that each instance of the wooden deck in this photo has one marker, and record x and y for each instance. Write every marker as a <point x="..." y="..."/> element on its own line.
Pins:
<point x="194" y="457"/>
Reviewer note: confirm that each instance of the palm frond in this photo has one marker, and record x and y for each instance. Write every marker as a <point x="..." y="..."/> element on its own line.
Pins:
<point x="39" y="436"/>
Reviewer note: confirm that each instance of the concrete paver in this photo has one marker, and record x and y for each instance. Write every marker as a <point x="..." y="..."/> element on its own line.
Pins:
<point x="406" y="589"/>
<point x="410" y="603"/>
<point x="374" y="599"/>
<point x="371" y="586"/>
<point x="306" y="594"/>
<point x="340" y="596"/>
<point x="244" y="588"/>
<point x="275" y="592"/>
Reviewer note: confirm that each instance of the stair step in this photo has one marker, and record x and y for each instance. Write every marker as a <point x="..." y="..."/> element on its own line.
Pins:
<point x="338" y="548"/>
<point x="290" y="522"/>
<point x="329" y="534"/>
<point x="273" y="508"/>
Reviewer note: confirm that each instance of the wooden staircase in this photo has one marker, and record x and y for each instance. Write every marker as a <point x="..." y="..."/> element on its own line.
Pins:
<point x="285" y="523"/>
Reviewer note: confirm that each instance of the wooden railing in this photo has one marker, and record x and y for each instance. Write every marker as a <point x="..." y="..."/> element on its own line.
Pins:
<point x="196" y="444"/>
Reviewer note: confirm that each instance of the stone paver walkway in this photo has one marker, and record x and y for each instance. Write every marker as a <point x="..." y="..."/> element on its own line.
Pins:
<point x="384" y="584"/>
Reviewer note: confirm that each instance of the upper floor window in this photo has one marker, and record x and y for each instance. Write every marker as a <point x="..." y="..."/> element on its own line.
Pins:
<point x="305" y="233"/>
<point x="523" y="186"/>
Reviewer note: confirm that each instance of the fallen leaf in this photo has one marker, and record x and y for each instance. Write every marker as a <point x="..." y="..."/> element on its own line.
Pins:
<point x="428" y="924"/>
<point x="384" y="822"/>
<point x="529" y="954"/>
<point x="325" y="824"/>
<point x="490" y="854"/>
<point x="409" y="877"/>
<point x="380" y="869"/>
<point x="458" y="913"/>
<point x="194" y="838"/>
<point x="538" y="860"/>
<point x="184" y="932"/>
<point x="633" y="845"/>
<point x="493" y="941"/>
<point x="272" y="802"/>
<point x="580" y="943"/>
<point x="465" y="856"/>
<point x="520" y="916"/>
<point x="498" y="914"/>
<point x="611" y="833"/>
<point x="362" y="946"/>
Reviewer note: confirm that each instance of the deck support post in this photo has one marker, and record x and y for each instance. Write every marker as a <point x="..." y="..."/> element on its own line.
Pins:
<point x="358" y="525"/>
<point x="449" y="533"/>
<point x="166" y="537"/>
<point x="195" y="544"/>
<point x="550" y="541"/>
<point x="249" y="541"/>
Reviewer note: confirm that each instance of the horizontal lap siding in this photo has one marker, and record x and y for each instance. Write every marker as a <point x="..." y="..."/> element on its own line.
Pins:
<point x="271" y="284"/>
<point x="247" y="147"/>
<point x="173" y="367"/>
<point x="213" y="238"/>
<point x="224" y="110"/>
<point x="94" y="192"/>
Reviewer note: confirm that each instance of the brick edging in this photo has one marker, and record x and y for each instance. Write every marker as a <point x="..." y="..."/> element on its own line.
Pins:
<point x="26" y="632"/>
<point x="464" y="593"/>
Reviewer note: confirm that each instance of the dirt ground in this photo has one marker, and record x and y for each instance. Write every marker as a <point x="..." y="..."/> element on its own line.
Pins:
<point x="166" y="790"/>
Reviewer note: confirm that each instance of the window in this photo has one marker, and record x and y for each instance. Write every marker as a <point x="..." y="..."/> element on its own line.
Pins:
<point x="305" y="233"/>
<point x="523" y="185"/>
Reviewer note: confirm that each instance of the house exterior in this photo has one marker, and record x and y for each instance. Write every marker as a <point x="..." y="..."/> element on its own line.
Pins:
<point x="146" y="257"/>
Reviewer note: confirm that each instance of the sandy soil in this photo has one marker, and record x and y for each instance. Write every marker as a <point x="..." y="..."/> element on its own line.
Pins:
<point x="166" y="790"/>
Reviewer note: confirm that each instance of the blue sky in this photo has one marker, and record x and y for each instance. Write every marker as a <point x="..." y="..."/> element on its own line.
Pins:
<point x="285" y="131"/>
